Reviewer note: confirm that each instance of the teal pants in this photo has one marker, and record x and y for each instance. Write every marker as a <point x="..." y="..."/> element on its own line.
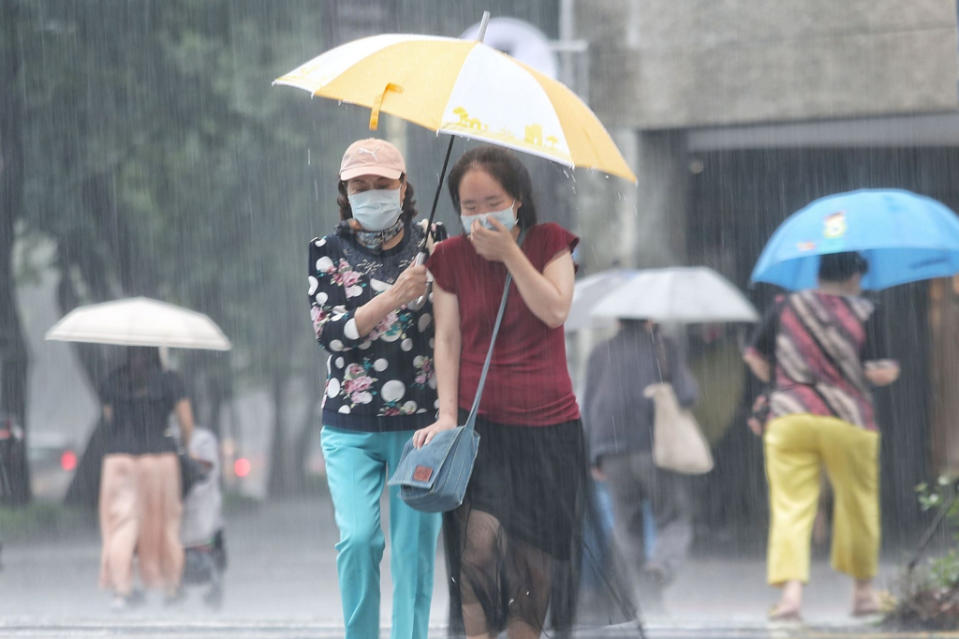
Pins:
<point x="357" y="467"/>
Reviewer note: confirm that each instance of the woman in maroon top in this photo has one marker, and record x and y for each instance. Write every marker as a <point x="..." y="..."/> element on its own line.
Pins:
<point x="518" y="532"/>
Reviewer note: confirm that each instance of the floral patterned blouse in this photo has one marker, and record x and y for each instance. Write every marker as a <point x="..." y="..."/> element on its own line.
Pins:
<point x="383" y="381"/>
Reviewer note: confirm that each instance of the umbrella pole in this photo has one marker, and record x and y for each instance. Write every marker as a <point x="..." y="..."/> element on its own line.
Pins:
<point x="436" y="196"/>
<point x="446" y="160"/>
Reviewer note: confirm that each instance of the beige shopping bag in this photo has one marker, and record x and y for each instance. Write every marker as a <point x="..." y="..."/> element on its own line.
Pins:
<point x="678" y="443"/>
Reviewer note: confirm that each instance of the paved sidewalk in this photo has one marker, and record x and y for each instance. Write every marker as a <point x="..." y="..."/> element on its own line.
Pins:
<point x="281" y="582"/>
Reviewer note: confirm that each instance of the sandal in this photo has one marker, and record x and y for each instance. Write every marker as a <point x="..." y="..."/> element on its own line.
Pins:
<point x="882" y="601"/>
<point x="783" y="614"/>
<point x="867" y="608"/>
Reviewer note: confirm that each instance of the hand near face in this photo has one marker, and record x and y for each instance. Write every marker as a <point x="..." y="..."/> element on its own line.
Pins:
<point x="495" y="245"/>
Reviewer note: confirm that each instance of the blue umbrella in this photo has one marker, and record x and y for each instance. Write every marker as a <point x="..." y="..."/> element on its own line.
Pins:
<point x="905" y="237"/>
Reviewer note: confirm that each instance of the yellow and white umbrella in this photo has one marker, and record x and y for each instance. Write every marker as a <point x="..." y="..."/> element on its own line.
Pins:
<point x="463" y="88"/>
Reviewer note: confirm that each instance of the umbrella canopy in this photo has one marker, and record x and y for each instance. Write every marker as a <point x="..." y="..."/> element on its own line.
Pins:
<point x="905" y="237"/>
<point x="589" y="291"/>
<point x="689" y="294"/>
<point x="464" y="88"/>
<point x="139" y="321"/>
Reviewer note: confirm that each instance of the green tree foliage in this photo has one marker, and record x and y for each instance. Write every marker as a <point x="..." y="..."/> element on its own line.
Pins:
<point x="162" y="163"/>
<point x="929" y="590"/>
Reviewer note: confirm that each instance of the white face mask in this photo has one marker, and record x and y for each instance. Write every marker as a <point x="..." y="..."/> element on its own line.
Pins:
<point x="376" y="209"/>
<point x="506" y="217"/>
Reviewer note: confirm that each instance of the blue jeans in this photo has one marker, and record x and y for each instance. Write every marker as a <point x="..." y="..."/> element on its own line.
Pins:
<point x="357" y="466"/>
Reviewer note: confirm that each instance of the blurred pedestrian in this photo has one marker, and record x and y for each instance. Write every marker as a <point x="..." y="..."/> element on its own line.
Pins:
<point x="367" y="296"/>
<point x="140" y="497"/>
<point x="202" y="530"/>
<point x="822" y="349"/>
<point x="514" y="546"/>
<point x="619" y="421"/>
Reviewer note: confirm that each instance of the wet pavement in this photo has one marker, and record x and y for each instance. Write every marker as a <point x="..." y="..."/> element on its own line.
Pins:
<point x="281" y="583"/>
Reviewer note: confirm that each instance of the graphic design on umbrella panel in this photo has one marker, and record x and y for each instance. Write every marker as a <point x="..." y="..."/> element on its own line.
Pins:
<point x="463" y="88"/>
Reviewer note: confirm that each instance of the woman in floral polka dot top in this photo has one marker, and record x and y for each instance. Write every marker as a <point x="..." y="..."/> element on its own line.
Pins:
<point x="369" y="313"/>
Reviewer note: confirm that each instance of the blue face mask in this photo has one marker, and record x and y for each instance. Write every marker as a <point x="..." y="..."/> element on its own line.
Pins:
<point x="376" y="209"/>
<point x="506" y="217"/>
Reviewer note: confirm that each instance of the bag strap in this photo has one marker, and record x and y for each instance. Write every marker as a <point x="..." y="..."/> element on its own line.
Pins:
<point x="471" y="420"/>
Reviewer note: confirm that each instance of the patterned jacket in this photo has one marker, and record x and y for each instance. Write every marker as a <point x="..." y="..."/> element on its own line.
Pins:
<point x="382" y="381"/>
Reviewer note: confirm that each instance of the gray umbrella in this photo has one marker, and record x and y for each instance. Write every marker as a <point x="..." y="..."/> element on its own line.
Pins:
<point x="687" y="295"/>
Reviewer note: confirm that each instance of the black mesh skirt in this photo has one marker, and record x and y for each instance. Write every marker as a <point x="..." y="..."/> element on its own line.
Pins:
<point x="522" y="544"/>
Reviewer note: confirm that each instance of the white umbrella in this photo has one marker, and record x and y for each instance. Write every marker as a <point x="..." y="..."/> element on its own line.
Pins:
<point x="139" y="321"/>
<point x="589" y="291"/>
<point x="678" y="294"/>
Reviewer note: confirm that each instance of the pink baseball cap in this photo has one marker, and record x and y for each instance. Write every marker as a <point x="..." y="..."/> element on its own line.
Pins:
<point x="372" y="157"/>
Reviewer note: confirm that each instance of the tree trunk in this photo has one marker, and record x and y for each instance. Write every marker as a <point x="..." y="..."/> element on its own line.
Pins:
<point x="280" y="482"/>
<point x="89" y="356"/>
<point x="303" y="441"/>
<point x="13" y="349"/>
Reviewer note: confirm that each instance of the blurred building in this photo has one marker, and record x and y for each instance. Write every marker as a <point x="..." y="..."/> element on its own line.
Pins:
<point x="735" y="113"/>
<point x="693" y="85"/>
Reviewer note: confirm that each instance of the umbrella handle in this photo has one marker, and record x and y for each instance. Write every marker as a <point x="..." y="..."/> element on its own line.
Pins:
<point x="420" y="260"/>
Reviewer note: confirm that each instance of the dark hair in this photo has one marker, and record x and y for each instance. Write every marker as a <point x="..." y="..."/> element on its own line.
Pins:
<point x="504" y="167"/>
<point x="142" y="363"/>
<point x="839" y="267"/>
<point x="409" y="204"/>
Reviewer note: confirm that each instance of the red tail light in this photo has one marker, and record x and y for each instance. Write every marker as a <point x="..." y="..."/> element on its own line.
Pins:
<point x="68" y="460"/>
<point x="241" y="467"/>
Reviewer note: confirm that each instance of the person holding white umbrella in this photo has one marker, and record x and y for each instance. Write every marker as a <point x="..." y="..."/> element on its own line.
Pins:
<point x="140" y="495"/>
<point x="139" y="479"/>
<point x="619" y="420"/>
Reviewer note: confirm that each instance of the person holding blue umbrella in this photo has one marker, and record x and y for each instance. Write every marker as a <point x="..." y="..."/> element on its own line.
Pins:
<point x="821" y="350"/>
<point x="905" y="237"/>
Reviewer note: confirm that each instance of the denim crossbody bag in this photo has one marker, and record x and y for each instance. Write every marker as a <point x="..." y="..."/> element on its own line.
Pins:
<point x="434" y="477"/>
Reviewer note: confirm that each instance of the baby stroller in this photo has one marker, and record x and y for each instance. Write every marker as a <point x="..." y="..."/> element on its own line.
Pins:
<point x="202" y="528"/>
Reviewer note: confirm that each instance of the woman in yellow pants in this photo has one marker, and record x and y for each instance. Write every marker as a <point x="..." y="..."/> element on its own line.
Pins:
<point x="822" y="349"/>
